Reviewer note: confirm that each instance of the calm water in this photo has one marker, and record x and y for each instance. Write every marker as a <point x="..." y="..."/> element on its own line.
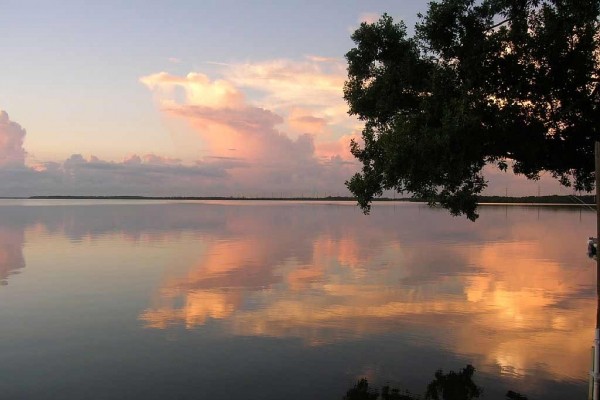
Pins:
<point x="272" y="300"/>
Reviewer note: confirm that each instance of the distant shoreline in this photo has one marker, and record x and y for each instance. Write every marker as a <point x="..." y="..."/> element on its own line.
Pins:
<point x="526" y="200"/>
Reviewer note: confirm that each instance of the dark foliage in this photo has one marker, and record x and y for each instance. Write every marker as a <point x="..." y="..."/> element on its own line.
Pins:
<point x="515" y="396"/>
<point x="361" y="391"/>
<point x="453" y="386"/>
<point x="504" y="82"/>
<point x="450" y="386"/>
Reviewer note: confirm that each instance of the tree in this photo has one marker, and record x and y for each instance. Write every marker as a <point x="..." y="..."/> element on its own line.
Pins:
<point x="512" y="83"/>
<point x="361" y="391"/>
<point x="450" y="386"/>
<point x="453" y="385"/>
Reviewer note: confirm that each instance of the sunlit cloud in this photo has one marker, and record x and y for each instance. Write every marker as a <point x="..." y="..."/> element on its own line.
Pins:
<point x="11" y="142"/>
<point x="224" y="118"/>
<point x="309" y="84"/>
<point x="301" y="120"/>
<point x="321" y="59"/>
<point x="339" y="148"/>
<point x="284" y="121"/>
<point x="198" y="89"/>
<point x="248" y="154"/>
<point x="369" y="17"/>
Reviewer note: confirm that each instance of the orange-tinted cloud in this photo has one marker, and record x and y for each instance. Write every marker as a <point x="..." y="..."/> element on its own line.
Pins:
<point x="302" y="121"/>
<point x="197" y="88"/>
<point x="287" y="83"/>
<point x="229" y="125"/>
<point x="339" y="147"/>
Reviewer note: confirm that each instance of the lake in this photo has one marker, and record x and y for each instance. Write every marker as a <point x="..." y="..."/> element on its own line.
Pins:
<point x="289" y="300"/>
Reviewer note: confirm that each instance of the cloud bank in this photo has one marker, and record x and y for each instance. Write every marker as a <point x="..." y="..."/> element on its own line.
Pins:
<point x="282" y="139"/>
<point x="277" y="127"/>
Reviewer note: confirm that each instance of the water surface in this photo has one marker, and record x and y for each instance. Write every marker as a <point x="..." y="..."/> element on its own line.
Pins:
<point x="295" y="300"/>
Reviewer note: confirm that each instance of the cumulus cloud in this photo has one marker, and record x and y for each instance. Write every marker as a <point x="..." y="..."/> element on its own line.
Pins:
<point x="293" y="133"/>
<point x="256" y="159"/>
<point x="302" y="121"/>
<point x="198" y="89"/>
<point x="339" y="147"/>
<point x="278" y="126"/>
<point x="311" y="84"/>
<point x="149" y="175"/>
<point x="12" y="135"/>
<point x="225" y="119"/>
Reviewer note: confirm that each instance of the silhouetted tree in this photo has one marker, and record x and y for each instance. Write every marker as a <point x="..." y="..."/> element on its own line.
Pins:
<point x="454" y="386"/>
<point x="388" y="393"/>
<point x="361" y="391"/>
<point x="510" y="395"/>
<point x="481" y="82"/>
<point x="450" y="386"/>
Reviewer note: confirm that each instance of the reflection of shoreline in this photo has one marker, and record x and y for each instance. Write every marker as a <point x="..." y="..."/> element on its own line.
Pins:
<point x="551" y="200"/>
<point x="11" y="253"/>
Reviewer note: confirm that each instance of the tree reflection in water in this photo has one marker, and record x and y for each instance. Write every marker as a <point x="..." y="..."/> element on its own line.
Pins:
<point x="450" y="386"/>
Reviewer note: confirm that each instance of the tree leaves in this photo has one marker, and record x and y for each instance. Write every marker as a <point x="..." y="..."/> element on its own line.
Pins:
<point x="493" y="81"/>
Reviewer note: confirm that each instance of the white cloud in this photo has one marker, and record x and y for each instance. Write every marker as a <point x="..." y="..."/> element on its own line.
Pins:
<point x="11" y="142"/>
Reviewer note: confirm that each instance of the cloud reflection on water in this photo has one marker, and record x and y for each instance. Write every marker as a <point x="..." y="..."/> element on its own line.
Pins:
<point x="514" y="292"/>
<point x="506" y="293"/>
<point x="11" y="253"/>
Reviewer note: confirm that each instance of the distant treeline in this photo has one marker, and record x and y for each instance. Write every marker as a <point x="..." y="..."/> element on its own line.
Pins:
<point x="554" y="199"/>
<point x="331" y="198"/>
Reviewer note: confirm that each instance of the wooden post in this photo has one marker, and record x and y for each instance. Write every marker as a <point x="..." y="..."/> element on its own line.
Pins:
<point x="596" y="363"/>
<point x="597" y="157"/>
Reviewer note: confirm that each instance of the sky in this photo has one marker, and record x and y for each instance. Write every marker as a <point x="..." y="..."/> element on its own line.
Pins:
<point x="185" y="98"/>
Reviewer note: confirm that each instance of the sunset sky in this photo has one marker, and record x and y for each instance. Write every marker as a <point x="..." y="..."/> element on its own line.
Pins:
<point x="184" y="98"/>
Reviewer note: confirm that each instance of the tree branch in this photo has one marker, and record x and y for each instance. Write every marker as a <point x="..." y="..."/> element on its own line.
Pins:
<point x="498" y="24"/>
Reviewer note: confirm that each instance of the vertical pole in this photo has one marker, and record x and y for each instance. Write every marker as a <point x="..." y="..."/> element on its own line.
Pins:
<point x="596" y="364"/>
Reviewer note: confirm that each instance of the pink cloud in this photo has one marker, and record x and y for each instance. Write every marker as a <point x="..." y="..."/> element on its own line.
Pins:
<point x="302" y="121"/>
<point x="321" y="59"/>
<point x="339" y="148"/>
<point x="249" y="155"/>
<point x="11" y="142"/>
<point x="273" y="160"/>
<point x="247" y="119"/>
<point x="160" y="160"/>
<point x="368" y="17"/>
